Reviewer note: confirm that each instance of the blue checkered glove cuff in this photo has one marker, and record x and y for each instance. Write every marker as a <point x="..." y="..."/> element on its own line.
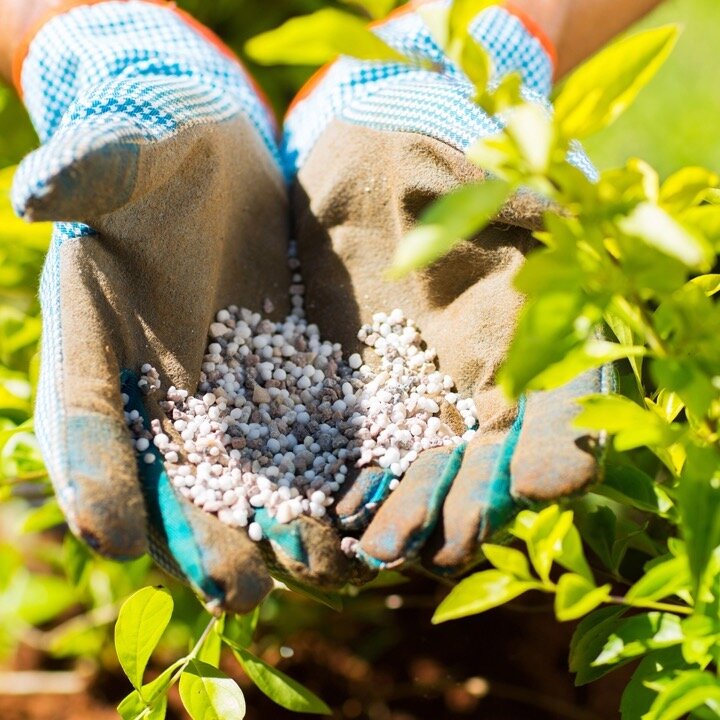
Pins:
<point x="95" y="61"/>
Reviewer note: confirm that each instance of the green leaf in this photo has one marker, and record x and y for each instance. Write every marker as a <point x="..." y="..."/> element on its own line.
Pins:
<point x="592" y="354"/>
<point x="546" y="333"/>
<point x="239" y="629"/>
<point x="576" y="596"/>
<point x="462" y="13"/>
<point x="509" y="560"/>
<point x="318" y="38"/>
<point x="459" y="215"/>
<point x="376" y="9"/>
<point x="699" y="502"/>
<point x="76" y="558"/>
<point x="209" y="694"/>
<point x="656" y="228"/>
<point x="637" y="697"/>
<point x="211" y="649"/>
<point x="533" y="132"/>
<point x="133" y="707"/>
<point x="48" y="515"/>
<point x="686" y="187"/>
<point x="632" y="425"/>
<point x="280" y="688"/>
<point x="638" y="634"/>
<point x="480" y="592"/>
<point x="588" y="640"/>
<point x="629" y="485"/>
<point x="689" y="690"/>
<point x="666" y="577"/>
<point x="600" y="90"/>
<point x="141" y="622"/>
<point x="551" y="537"/>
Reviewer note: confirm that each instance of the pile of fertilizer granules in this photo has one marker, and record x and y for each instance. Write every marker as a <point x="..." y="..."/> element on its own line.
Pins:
<point x="280" y="416"/>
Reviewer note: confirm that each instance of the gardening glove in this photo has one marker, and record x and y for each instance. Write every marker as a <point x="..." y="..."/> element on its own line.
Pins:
<point x="160" y="163"/>
<point x="373" y="145"/>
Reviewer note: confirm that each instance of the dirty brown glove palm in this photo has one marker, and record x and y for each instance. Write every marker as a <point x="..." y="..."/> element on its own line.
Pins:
<point x="392" y="143"/>
<point x="157" y="143"/>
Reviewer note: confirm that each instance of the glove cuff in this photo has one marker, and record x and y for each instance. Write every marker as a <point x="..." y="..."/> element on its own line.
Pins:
<point x="76" y="46"/>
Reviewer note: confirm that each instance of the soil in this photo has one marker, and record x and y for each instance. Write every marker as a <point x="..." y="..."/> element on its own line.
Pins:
<point x="381" y="659"/>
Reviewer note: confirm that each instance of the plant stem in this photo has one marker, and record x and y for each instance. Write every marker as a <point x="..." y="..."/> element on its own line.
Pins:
<point x="185" y="661"/>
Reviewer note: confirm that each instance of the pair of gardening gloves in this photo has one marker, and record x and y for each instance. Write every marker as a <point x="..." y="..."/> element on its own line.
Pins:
<point x="173" y="199"/>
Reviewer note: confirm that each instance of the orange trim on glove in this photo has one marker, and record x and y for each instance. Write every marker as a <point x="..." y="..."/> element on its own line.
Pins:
<point x="63" y="7"/>
<point x="533" y="27"/>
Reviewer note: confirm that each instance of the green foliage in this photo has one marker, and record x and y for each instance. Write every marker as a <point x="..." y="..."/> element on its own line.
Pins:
<point x="623" y="257"/>
<point x="627" y="252"/>
<point x="319" y="38"/>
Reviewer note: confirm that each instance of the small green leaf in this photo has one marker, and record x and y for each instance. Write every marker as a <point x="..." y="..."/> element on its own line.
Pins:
<point x="632" y="425"/>
<point x="655" y="227"/>
<point x="588" y="640"/>
<point x="638" y="634"/>
<point x="319" y="38"/>
<point x="637" y="697"/>
<point x="211" y="649"/>
<point x="686" y="187"/>
<point x="629" y="485"/>
<point x="48" y="515"/>
<point x="576" y="596"/>
<point x="689" y="690"/>
<point x="699" y="502"/>
<point x="462" y="13"/>
<point x="140" y="625"/>
<point x="459" y="215"/>
<point x="592" y="354"/>
<point x="239" y="629"/>
<point x="209" y="694"/>
<point x="76" y="558"/>
<point x="280" y="688"/>
<point x="376" y="9"/>
<point x="134" y="708"/>
<point x="547" y="331"/>
<point x="552" y="537"/>
<point x="480" y="592"/>
<point x="598" y="92"/>
<point x="509" y="560"/>
<point x="661" y="579"/>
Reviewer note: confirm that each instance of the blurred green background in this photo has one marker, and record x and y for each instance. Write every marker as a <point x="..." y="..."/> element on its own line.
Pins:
<point x="47" y="579"/>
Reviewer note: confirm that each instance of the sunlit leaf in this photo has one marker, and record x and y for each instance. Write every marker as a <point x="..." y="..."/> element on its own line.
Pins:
<point x="632" y="425"/>
<point x="636" y="635"/>
<point x="576" y="596"/>
<point x="480" y="592"/>
<point x="598" y="92"/>
<point x="654" y="226"/>
<point x="662" y="579"/>
<point x="689" y="690"/>
<point x="140" y="625"/>
<point x="319" y="38"/>
<point x="209" y="694"/>
<point x="454" y="217"/>
<point x="280" y="688"/>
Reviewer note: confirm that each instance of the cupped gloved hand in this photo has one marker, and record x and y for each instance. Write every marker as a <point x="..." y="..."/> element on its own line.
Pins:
<point x="160" y="159"/>
<point x="384" y="142"/>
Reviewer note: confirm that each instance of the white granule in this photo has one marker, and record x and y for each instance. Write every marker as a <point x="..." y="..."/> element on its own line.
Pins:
<point x="280" y="415"/>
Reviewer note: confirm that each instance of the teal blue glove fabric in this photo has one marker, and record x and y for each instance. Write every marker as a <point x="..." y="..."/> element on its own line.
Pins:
<point x="449" y="502"/>
<point x="159" y="161"/>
